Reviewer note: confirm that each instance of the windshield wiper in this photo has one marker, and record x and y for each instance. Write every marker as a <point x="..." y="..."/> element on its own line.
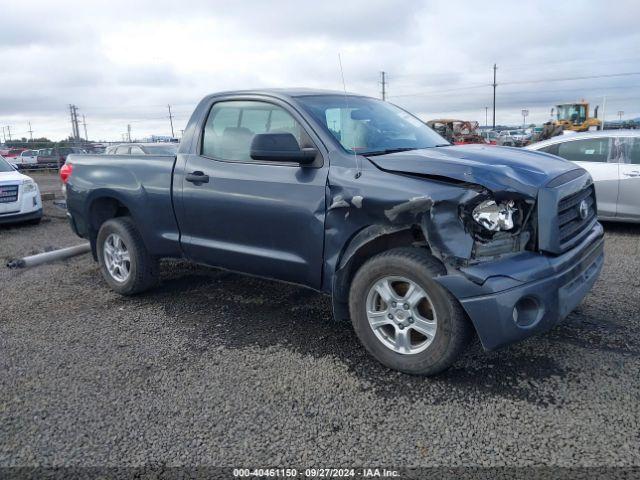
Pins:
<point x="388" y="150"/>
<point x="443" y="145"/>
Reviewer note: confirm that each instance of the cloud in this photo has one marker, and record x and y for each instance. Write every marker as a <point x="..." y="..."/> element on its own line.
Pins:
<point x="123" y="62"/>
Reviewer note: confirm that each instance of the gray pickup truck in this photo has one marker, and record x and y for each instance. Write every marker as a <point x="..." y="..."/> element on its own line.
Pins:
<point x="420" y="244"/>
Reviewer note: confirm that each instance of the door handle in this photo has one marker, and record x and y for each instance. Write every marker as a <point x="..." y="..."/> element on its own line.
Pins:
<point x="632" y="173"/>
<point x="197" y="177"/>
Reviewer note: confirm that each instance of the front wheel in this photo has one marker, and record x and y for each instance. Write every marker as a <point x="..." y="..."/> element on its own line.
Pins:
<point x="405" y="319"/>
<point x="125" y="263"/>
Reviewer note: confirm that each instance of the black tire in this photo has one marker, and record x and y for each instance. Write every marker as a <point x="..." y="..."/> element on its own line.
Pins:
<point x="453" y="332"/>
<point x="143" y="272"/>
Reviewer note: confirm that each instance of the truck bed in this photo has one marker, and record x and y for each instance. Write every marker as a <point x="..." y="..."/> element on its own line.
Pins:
<point x="144" y="182"/>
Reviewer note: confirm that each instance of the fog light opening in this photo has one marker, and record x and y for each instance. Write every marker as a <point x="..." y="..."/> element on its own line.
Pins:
<point x="527" y="312"/>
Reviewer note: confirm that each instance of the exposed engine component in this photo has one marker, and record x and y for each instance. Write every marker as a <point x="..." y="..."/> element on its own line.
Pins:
<point x="494" y="216"/>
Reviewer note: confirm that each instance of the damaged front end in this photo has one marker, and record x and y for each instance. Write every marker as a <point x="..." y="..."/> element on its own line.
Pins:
<point x="479" y="226"/>
<point x="438" y="215"/>
<point x="503" y="223"/>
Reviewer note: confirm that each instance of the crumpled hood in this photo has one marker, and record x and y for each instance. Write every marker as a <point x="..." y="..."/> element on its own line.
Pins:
<point x="495" y="168"/>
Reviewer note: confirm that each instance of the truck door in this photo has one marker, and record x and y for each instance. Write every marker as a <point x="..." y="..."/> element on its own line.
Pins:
<point x="629" y="197"/>
<point x="259" y="217"/>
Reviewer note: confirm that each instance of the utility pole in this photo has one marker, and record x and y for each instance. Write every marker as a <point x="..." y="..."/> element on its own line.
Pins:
<point x="486" y="116"/>
<point x="495" y="67"/>
<point x="75" y="119"/>
<point x="620" y="114"/>
<point x="9" y="132"/>
<point x="73" y="110"/>
<point x="84" y="124"/>
<point x="73" y="127"/>
<point x="129" y="132"/>
<point x="171" y="121"/>
<point x="604" y="109"/>
<point x="4" y="138"/>
<point x="383" y="82"/>
<point x="30" y="132"/>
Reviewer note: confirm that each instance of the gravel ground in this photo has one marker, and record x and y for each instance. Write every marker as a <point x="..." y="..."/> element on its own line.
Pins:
<point x="214" y="368"/>
<point x="48" y="181"/>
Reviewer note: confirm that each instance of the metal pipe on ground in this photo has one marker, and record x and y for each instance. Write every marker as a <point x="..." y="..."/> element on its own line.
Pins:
<point x="47" y="257"/>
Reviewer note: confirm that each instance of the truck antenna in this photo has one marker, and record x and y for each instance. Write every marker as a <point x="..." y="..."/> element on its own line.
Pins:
<point x="346" y="102"/>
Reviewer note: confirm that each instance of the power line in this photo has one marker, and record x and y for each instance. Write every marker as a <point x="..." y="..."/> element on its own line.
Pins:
<point x="599" y="61"/>
<point x="587" y="77"/>
<point x="516" y="82"/>
<point x="481" y="68"/>
<point x="438" y="92"/>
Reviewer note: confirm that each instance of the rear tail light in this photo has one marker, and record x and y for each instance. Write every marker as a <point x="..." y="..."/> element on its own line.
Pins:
<point x="65" y="172"/>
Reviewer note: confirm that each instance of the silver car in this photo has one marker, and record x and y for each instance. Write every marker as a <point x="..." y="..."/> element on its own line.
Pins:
<point x="163" y="148"/>
<point x="612" y="157"/>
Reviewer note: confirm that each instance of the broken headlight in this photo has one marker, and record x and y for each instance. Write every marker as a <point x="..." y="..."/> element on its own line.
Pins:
<point x="495" y="216"/>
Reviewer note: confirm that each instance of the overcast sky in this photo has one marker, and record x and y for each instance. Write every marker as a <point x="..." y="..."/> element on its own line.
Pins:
<point x="123" y="62"/>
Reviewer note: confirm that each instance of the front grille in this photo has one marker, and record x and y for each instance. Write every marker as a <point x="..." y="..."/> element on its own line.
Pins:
<point x="8" y="193"/>
<point x="572" y="223"/>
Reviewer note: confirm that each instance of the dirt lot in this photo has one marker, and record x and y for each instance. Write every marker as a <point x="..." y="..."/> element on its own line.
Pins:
<point x="218" y="368"/>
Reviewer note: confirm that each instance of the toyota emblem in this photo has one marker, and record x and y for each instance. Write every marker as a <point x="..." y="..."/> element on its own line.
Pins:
<point x="583" y="209"/>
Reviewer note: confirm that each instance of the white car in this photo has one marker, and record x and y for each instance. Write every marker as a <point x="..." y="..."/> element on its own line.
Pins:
<point x="512" y="138"/>
<point x="612" y="157"/>
<point x="26" y="158"/>
<point x="19" y="196"/>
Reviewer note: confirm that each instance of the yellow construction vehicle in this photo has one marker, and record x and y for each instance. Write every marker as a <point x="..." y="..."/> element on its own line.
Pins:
<point x="569" y="116"/>
<point x="575" y="117"/>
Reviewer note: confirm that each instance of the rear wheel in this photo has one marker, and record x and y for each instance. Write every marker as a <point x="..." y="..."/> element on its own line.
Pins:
<point x="125" y="263"/>
<point x="403" y="317"/>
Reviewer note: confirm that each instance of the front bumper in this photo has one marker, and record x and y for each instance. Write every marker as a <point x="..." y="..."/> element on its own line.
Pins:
<point x="511" y="299"/>
<point x="21" y="217"/>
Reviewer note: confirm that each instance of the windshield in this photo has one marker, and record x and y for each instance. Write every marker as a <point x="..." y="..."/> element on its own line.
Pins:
<point x="4" y="166"/>
<point x="367" y="126"/>
<point x="169" y="149"/>
<point x="572" y="113"/>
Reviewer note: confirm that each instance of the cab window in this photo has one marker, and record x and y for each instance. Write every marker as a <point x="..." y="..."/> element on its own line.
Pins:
<point x="587" y="150"/>
<point x="231" y="126"/>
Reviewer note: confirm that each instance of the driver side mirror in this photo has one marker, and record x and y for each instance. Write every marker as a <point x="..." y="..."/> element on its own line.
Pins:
<point x="280" y="147"/>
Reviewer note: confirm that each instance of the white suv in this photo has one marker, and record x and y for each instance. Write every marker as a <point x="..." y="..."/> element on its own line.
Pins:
<point x="19" y="196"/>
